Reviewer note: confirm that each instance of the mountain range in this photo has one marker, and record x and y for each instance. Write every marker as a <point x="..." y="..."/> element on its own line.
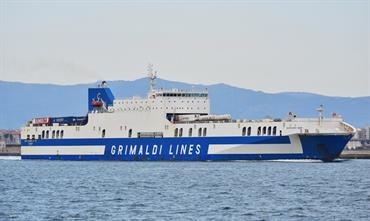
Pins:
<point x="23" y="101"/>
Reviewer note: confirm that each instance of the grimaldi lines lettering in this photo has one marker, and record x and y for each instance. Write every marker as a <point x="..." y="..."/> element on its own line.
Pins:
<point x="154" y="149"/>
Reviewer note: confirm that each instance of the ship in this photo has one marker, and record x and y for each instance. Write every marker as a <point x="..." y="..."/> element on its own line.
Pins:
<point x="177" y="125"/>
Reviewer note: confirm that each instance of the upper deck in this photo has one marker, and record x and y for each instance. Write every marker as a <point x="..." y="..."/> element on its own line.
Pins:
<point x="166" y="102"/>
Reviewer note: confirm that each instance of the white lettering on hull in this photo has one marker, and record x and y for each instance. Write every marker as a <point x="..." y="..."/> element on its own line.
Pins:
<point x="154" y="150"/>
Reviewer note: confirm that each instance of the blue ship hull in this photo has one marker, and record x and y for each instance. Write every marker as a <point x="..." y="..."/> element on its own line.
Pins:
<point x="322" y="147"/>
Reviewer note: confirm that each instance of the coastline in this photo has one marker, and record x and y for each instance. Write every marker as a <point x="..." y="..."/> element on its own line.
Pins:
<point x="355" y="154"/>
<point x="13" y="150"/>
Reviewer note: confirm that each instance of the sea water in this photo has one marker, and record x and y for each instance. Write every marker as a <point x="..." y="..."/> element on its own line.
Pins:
<point x="239" y="190"/>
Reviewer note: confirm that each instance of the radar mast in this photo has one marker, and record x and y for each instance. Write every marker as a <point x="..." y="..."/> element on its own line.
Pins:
<point x="152" y="75"/>
<point x="320" y="109"/>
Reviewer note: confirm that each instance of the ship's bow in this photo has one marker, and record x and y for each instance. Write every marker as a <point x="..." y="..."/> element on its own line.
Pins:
<point x="324" y="147"/>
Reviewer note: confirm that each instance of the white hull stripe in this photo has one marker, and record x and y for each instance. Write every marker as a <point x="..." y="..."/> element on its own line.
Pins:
<point x="63" y="150"/>
<point x="295" y="147"/>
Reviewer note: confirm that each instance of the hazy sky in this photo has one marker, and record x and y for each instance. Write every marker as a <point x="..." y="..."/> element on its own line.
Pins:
<point x="272" y="46"/>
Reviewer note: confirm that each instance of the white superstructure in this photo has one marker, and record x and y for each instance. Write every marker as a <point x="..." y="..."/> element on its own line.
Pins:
<point x="176" y="114"/>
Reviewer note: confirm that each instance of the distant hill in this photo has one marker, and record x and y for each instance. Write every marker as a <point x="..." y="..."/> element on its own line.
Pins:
<point x="22" y="102"/>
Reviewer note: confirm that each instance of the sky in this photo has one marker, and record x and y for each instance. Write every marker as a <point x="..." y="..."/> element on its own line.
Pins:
<point x="272" y="46"/>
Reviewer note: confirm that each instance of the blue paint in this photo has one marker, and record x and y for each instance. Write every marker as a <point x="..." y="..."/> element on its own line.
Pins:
<point x="323" y="147"/>
<point x="101" y="92"/>
<point x="174" y="141"/>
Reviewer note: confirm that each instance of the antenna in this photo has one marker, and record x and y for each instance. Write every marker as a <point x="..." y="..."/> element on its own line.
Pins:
<point x="152" y="75"/>
<point x="320" y="109"/>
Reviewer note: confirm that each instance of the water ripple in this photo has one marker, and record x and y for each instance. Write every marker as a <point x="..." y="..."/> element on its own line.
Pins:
<point x="51" y="190"/>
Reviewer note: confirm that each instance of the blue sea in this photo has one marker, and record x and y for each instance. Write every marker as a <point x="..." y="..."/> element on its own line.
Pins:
<point x="239" y="190"/>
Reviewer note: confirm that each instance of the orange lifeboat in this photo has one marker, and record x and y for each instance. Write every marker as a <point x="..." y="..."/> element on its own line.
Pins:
<point x="97" y="103"/>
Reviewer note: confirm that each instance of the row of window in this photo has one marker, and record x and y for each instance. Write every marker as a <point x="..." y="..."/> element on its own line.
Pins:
<point x="178" y="132"/>
<point x="129" y="134"/>
<point x="183" y="95"/>
<point x="55" y="134"/>
<point x="201" y="132"/>
<point x="260" y="131"/>
<point x="156" y="108"/>
<point x="245" y="131"/>
<point x="145" y="102"/>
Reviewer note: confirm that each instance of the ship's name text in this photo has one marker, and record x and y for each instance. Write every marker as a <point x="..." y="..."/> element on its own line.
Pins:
<point x="183" y="149"/>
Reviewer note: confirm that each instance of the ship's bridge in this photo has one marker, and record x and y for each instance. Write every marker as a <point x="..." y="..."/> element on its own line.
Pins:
<point x="167" y="101"/>
<point x="181" y="93"/>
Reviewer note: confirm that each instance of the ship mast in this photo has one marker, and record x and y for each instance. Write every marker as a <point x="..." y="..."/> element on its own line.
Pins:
<point x="320" y="109"/>
<point x="152" y="75"/>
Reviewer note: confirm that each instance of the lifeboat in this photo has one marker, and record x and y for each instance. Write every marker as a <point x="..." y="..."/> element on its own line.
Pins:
<point x="97" y="103"/>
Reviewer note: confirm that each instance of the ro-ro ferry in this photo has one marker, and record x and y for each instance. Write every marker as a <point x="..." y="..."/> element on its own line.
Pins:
<point x="176" y="125"/>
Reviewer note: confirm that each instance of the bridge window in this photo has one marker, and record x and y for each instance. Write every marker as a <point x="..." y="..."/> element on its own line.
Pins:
<point x="264" y="131"/>
<point x="204" y="132"/>
<point x="43" y="134"/>
<point x="61" y="134"/>
<point x="244" y="131"/>
<point x="249" y="131"/>
<point x="269" y="131"/>
<point x="200" y="132"/>
<point x="176" y="132"/>
<point x="190" y="132"/>
<point x="53" y="134"/>
<point x="57" y="134"/>
<point x="47" y="134"/>
<point x="103" y="133"/>
<point x="130" y="133"/>
<point x="180" y="133"/>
